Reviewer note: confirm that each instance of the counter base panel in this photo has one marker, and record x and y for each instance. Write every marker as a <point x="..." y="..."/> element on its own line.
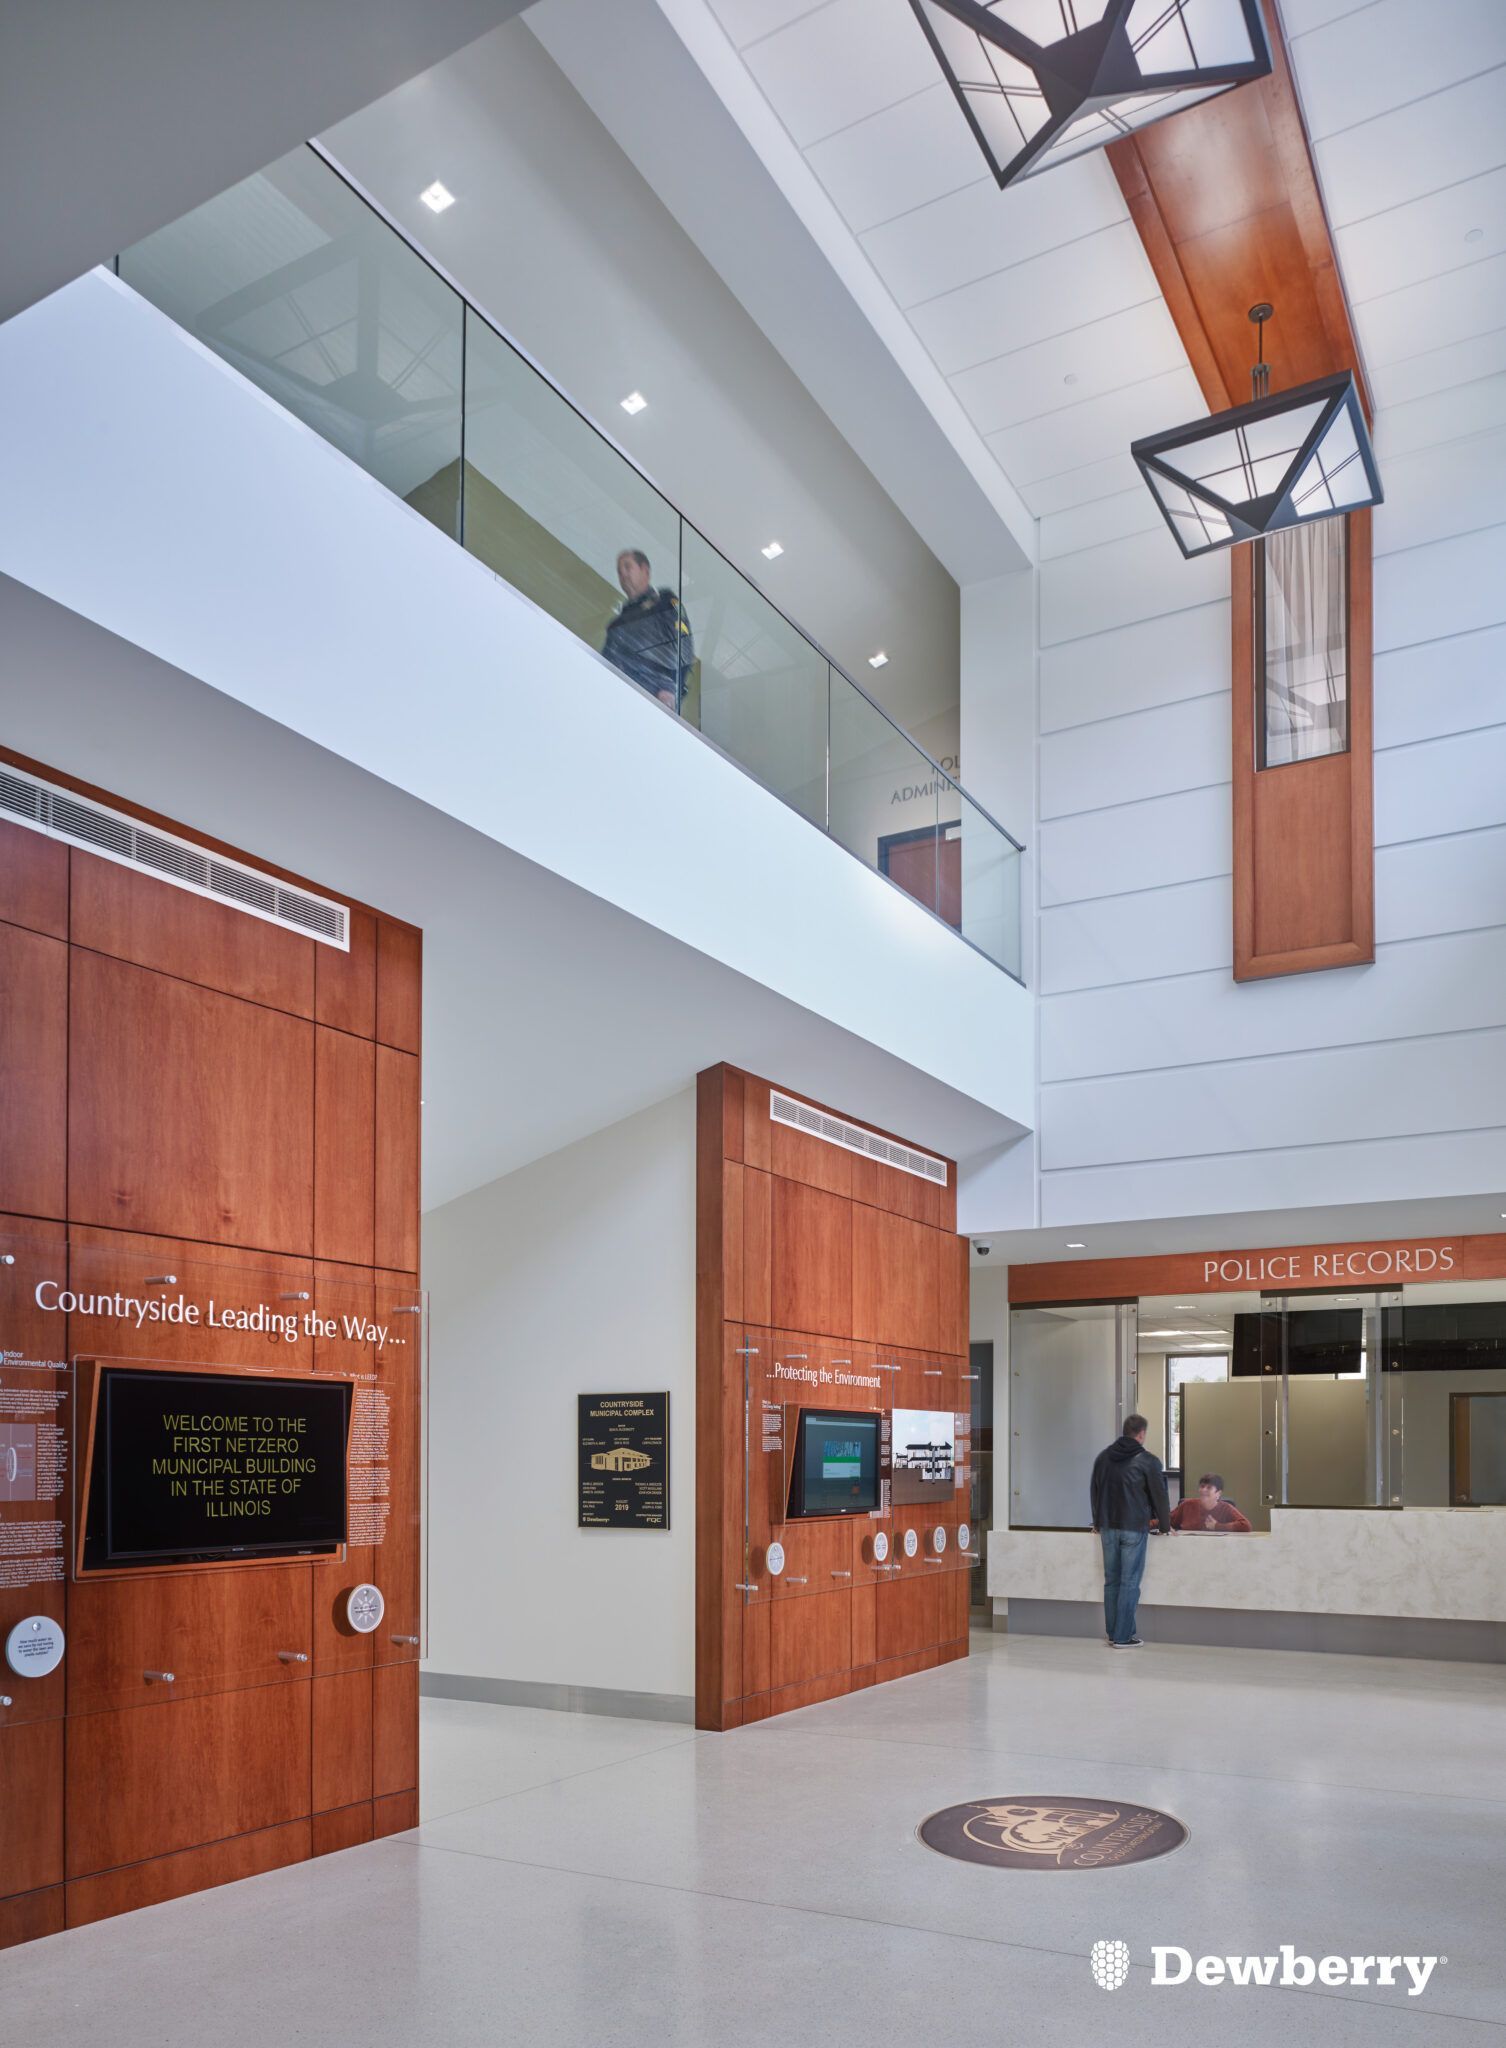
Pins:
<point x="1353" y="1635"/>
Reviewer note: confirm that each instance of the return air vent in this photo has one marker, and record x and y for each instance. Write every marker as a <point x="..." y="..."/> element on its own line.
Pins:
<point x="63" y="815"/>
<point x="835" y="1130"/>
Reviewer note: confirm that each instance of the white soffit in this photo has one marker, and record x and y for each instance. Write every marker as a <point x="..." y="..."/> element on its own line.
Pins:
<point x="1036" y="309"/>
<point x="1406" y="104"/>
<point x="671" y="87"/>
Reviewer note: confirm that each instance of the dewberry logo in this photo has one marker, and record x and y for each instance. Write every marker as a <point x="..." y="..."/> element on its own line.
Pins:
<point x="1172" y="1965"/>
<point x="1111" y="1964"/>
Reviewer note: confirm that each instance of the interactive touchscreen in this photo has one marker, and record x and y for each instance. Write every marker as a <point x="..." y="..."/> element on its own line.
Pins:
<point x="193" y="1467"/>
<point x="925" y="1455"/>
<point x="836" y="1468"/>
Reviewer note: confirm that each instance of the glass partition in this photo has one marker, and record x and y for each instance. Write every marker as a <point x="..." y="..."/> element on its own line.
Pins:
<point x="761" y="687"/>
<point x="1072" y="1381"/>
<point x="291" y="277"/>
<point x="303" y="288"/>
<point x="874" y="764"/>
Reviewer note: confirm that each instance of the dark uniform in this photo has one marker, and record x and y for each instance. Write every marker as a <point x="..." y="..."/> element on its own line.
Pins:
<point x="650" y="641"/>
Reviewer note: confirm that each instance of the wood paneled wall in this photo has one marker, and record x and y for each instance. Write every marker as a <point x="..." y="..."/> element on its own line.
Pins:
<point x="188" y="1089"/>
<point x="1226" y="201"/>
<point x="815" y="1258"/>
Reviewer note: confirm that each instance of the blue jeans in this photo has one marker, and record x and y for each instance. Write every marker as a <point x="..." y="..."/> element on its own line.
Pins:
<point x="1123" y="1569"/>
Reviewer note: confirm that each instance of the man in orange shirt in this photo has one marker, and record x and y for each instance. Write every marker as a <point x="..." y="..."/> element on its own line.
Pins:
<point x="1210" y="1511"/>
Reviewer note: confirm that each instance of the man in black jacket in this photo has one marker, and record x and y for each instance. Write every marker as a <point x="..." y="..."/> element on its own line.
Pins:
<point x="1128" y="1493"/>
<point x="648" y="638"/>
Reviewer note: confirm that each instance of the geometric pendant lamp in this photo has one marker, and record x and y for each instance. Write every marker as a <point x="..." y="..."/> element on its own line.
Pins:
<point x="1282" y="460"/>
<point x="1041" y="81"/>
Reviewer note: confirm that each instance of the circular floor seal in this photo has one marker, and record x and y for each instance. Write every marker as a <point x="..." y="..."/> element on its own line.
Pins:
<point x="1035" y="1833"/>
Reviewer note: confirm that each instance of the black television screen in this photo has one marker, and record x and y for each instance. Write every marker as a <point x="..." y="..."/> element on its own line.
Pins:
<point x="1316" y="1342"/>
<point x="194" y="1467"/>
<point x="836" y="1468"/>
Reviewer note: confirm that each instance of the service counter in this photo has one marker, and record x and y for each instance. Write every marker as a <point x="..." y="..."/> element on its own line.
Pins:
<point x="1393" y="1581"/>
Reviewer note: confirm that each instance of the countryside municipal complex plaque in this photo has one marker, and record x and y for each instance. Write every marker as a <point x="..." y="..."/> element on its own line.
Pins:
<point x="623" y="1464"/>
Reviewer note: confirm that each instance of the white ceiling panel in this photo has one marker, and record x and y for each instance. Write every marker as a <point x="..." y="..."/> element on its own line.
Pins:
<point x="839" y="64"/>
<point x="1085" y="485"/>
<point x="1050" y="294"/>
<point x="1463" y="411"/>
<point x="746" y="20"/>
<point x="1094" y="431"/>
<point x="1299" y="16"/>
<point x="1454" y="307"/>
<point x="1426" y="237"/>
<point x="1418" y="148"/>
<point x="1070" y="369"/>
<point x="897" y="160"/>
<point x="1436" y="369"/>
<point x="1385" y="55"/>
<point x="968" y="234"/>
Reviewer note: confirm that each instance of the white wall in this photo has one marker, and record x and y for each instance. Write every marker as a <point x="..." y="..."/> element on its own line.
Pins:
<point x="575" y="1275"/>
<point x="1165" y="1088"/>
<point x="150" y="488"/>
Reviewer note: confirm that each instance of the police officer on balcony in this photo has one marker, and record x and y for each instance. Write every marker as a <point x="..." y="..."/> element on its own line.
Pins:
<point x="649" y="639"/>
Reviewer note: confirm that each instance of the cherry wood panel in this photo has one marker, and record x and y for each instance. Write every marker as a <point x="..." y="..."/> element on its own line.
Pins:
<point x="33" y="1072"/>
<point x="1368" y="1261"/>
<point x="190" y="1112"/>
<point x="148" y="1781"/>
<point x="896" y="1280"/>
<point x="394" y="1729"/>
<point x="187" y="1870"/>
<point x="396" y="1562"/>
<point x="31" y="1803"/>
<point x="136" y="917"/>
<point x="214" y="1630"/>
<point x="345" y="1828"/>
<point x="344" y="1146"/>
<point x="30" y="1915"/>
<point x="1227" y="204"/>
<point x="399" y="985"/>
<point x="1304" y="866"/>
<point x="345" y="983"/>
<point x="393" y="1813"/>
<point x="397" y="1153"/>
<point x="909" y="1612"/>
<point x="809" y="1637"/>
<point x="342" y="1740"/>
<point x="106" y="1262"/>
<point x="811" y="1235"/>
<point x="779" y="1229"/>
<point x="33" y="880"/>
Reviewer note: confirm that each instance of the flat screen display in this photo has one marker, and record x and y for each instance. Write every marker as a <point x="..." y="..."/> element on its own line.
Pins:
<point x="836" y="1468"/>
<point x="194" y="1467"/>
<point x="924" y="1450"/>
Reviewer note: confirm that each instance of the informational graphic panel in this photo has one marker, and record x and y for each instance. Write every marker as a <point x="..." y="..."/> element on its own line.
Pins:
<point x="623" y="1477"/>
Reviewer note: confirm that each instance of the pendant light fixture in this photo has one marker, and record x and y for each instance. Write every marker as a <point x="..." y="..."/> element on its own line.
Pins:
<point x="1041" y="81"/>
<point x="1282" y="460"/>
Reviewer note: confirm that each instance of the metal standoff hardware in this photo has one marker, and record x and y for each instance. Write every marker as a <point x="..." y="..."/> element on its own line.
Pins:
<point x="742" y="1586"/>
<point x="797" y="1582"/>
<point x="292" y="1656"/>
<point x="161" y="1280"/>
<point x="302" y="1295"/>
<point x="6" y="1700"/>
<point x="159" y="1677"/>
<point x="841" y="1575"/>
<point x="406" y="1639"/>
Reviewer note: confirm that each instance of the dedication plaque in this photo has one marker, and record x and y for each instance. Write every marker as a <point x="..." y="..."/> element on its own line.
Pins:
<point x="623" y="1477"/>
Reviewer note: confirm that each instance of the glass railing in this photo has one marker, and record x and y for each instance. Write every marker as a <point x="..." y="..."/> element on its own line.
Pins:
<point x="303" y="286"/>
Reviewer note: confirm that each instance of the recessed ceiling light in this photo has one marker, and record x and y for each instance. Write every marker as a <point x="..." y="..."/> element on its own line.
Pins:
<point x="878" y="660"/>
<point x="437" y="197"/>
<point x="1075" y="1245"/>
<point x="774" y="548"/>
<point x="634" y="402"/>
<point x="1475" y="235"/>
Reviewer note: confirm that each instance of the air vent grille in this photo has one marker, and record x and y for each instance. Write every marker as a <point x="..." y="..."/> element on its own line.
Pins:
<point x="835" y="1130"/>
<point x="63" y="815"/>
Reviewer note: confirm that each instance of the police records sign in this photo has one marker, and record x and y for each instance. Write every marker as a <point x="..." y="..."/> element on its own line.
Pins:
<point x="622" y="1475"/>
<point x="1032" y="1832"/>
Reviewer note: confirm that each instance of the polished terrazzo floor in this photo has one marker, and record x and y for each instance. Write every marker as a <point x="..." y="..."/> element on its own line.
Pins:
<point x="612" y="1883"/>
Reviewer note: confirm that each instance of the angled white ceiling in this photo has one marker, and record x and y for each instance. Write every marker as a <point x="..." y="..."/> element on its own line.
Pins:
<point x="1406" y="104"/>
<point x="1036" y="308"/>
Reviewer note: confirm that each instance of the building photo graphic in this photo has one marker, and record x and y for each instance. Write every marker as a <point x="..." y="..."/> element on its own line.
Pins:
<point x="753" y="1023"/>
